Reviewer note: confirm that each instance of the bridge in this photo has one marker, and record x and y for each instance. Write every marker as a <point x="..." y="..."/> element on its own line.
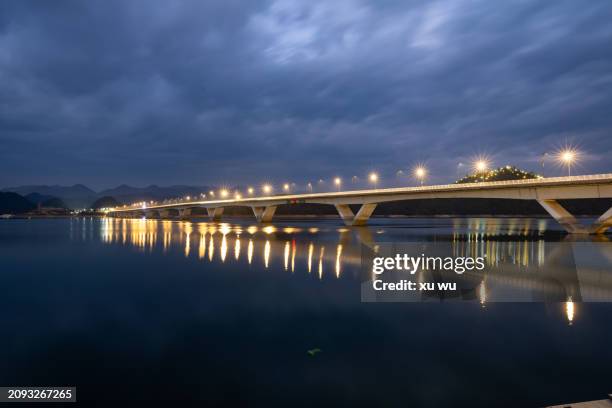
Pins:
<point x="546" y="191"/>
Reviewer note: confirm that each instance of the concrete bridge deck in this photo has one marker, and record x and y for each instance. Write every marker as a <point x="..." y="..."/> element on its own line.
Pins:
<point x="546" y="191"/>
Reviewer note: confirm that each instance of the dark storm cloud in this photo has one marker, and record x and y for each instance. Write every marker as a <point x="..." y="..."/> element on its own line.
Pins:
<point x="164" y="92"/>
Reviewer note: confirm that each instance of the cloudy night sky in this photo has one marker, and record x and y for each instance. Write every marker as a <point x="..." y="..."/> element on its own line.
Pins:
<point x="178" y="92"/>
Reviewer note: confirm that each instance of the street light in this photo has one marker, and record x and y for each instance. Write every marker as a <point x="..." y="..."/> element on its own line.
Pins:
<point x="267" y="189"/>
<point x="338" y="183"/>
<point x="567" y="157"/>
<point x="286" y="187"/>
<point x="223" y="193"/>
<point x="309" y="186"/>
<point x="250" y="190"/>
<point x="481" y="165"/>
<point x="373" y="177"/>
<point x="237" y="196"/>
<point x="420" y="172"/>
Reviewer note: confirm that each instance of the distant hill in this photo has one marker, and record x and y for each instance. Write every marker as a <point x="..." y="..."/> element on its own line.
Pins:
<point x="46" y="201"/>
<point x="104" y="202"/>
<point x="36" y="198"/>
<point x="76" y="196"/>
<point x="13" y="203"/>
<point x="54" y="202"/>
<point x="79" y="196"/>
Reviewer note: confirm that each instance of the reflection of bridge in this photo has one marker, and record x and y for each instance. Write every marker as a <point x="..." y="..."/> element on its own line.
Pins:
<point x="521" y="270"/>
<point x="546" y="191"/>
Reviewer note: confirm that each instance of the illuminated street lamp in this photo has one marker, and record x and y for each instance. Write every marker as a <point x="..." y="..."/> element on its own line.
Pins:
<point x="481" y="165"/>
<point x="211" y="193"/>
<point x="286" y="187"/>
<point x="237" y="196"/>
<point x="373" y="177"/>
<point x="224" y="193"/>
<point x="420" y="173"/>
<point x="267" y="188"/>
<point x="309" y="186"/>
<point x="338" y="183"/>
<point x="567" y="157"/>
<point x="251" y="190"/>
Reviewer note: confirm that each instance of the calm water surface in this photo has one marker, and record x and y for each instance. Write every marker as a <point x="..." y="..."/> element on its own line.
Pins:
<point x="191" y="313"/>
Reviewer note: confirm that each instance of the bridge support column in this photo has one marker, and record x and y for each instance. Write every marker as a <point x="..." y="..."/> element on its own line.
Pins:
<point x="362" y="216"/>
<point x="264" y="214"/>
<point x="563" y="217"/>
<point x="603" y="223"/>
<point x="184" y="212"/>
<point x="215" y="213"/>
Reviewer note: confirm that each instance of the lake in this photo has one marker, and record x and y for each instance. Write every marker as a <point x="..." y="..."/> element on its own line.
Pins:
<point x="193" y="313"/>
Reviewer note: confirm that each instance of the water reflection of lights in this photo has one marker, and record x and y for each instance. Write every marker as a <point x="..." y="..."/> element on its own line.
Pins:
<point x="202" y="246"/>
<point x="211" y="247"/>
<point x="338" y="256"/>
<point x="223" y="248"/>
<point x="237" y="248"/>
<point x="286" y="254"/>
<point x="321" y="253"/>
<point x="482" y="292"/>
<point x="250" y="251"/>
<point x="569" y="310"/>
<point x="310" y="251"/>
<point x="267" y="254"/>
<point x="518" y="259"/>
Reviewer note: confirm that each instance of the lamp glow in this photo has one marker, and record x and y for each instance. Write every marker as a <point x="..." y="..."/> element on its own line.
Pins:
<point x="420" y="172"/>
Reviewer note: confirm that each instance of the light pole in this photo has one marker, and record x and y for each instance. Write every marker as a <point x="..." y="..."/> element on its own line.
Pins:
<point x="338" y="183"/>
<point x="373" y="177"/>
<point x="567" y="157"/>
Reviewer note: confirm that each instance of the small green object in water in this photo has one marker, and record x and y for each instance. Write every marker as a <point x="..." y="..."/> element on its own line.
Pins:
<point x="314" y="351"/>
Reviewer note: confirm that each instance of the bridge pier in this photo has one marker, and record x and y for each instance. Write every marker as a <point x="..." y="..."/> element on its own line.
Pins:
<point x="264" y="214"/>
<point x="215" y="213"/>
<point x="603" y="223"/>
<point x="362" y="216"/>
<point x="571" y="224"/>
<point x="184" y="212"/>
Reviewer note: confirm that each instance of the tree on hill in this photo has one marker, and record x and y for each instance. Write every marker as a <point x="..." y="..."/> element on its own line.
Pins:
<point x="13" y="203"/>
<point x="104" y="202"/>
<point x="504" y="173"/>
